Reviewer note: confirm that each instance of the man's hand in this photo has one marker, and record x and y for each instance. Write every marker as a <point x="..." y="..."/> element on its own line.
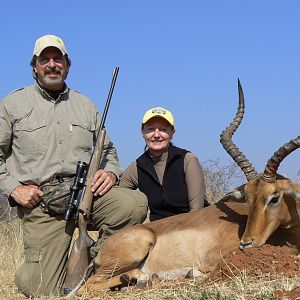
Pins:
<point x="27" y="195"/>
<point x="102" y="182"/>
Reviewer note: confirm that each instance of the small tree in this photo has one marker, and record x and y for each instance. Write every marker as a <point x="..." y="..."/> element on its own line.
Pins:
<point x="220" y="179"/>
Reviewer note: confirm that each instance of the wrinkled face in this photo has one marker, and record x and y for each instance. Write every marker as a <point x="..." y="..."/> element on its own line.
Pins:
<point x="157" y="133"/>
<point x="267" y="210"/>
<point x="51" y="69"/>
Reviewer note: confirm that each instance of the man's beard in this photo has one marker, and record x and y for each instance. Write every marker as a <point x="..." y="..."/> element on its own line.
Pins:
<point x="49" y="82"/>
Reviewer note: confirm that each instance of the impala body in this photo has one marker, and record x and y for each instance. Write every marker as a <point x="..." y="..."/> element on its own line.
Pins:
<point x="171" y="247"/>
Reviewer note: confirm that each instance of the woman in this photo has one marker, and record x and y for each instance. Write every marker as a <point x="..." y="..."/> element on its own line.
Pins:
<point x="171" y="177"/>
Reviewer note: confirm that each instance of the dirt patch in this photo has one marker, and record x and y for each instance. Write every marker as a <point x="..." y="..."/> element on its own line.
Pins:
<point x="291" y="295"/>
<point x="266" y="259"/>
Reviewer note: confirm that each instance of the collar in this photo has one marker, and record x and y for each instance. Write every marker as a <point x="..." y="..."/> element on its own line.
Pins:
<point x="161" y="158"/>
<point x="46" y="95"/>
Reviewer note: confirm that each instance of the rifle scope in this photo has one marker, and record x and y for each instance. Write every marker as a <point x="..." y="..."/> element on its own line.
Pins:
<point x="79" y="182"/>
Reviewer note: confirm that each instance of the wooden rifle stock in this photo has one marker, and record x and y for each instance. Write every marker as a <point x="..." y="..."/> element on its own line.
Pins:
<point x="79" y="256"/>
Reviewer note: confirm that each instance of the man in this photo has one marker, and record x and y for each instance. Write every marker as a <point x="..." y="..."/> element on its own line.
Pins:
<point x="46" y="129"/>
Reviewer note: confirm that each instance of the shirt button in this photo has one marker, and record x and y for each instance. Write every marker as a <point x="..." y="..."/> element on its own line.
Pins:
<point x="58" y="122"/>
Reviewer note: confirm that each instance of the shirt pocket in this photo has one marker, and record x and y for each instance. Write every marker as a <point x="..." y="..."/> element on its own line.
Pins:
<point x="31" y="136"/>
<point x="83" y="134"/>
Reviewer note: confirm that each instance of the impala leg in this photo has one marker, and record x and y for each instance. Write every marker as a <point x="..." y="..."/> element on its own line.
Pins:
<point x="123" y="253"/>
<point x="135" y="276"/>
<point x="99" y="283"/>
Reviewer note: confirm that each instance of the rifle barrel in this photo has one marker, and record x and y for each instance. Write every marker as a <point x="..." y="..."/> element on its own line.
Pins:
<point x="112" y="86"/>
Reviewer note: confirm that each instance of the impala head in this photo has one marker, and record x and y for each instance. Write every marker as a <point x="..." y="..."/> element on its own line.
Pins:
<point x="271" y="197"/>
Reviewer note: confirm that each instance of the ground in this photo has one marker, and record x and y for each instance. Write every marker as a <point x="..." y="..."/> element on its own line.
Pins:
<point x="265" y="259"/>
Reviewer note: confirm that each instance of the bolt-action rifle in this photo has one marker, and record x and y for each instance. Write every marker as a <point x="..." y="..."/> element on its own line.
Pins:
<point x="79" y="256"/>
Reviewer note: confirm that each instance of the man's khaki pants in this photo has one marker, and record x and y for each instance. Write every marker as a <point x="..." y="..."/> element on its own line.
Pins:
<point x="47" y="239"/>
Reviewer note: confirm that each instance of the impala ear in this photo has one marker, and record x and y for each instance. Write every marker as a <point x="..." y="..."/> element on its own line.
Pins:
<point x="294" y="190"/>
<point x="237" y="195"/>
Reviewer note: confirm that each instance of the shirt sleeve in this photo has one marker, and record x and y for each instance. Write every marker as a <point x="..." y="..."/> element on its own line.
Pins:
<point x="110" y="161"/>
<point x="129" y="179"/>
<point x="195" y="181"/>
<point x="7" y="182"/>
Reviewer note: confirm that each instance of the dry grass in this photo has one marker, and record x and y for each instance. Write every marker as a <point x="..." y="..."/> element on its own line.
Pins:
<point x="11" y="256"/>
<point x="236" y="287"/>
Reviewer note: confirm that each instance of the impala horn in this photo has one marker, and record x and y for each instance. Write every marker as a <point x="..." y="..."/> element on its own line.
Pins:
<point x="274" y="162"/>
<point x="230" y="147"/>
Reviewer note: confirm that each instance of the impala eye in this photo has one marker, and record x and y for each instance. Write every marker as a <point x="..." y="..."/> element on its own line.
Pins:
<point x="274" y="199"/>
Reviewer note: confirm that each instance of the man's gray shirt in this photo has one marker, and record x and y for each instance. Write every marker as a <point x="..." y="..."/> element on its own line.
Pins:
<point x="41" y="137"/>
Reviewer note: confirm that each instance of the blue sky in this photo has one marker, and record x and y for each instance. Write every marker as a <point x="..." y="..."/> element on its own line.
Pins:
<point x="183" y="55"/>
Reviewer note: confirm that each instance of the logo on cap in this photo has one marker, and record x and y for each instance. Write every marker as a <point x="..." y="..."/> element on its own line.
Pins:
<point x="159" y="110"/>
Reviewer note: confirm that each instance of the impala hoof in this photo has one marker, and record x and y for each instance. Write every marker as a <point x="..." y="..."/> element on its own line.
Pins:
<point x="246" y="246"/>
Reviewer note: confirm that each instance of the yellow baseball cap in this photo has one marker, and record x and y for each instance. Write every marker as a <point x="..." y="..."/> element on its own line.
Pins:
<point x="49" y="40"/>
<point x="159" y="112"/>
